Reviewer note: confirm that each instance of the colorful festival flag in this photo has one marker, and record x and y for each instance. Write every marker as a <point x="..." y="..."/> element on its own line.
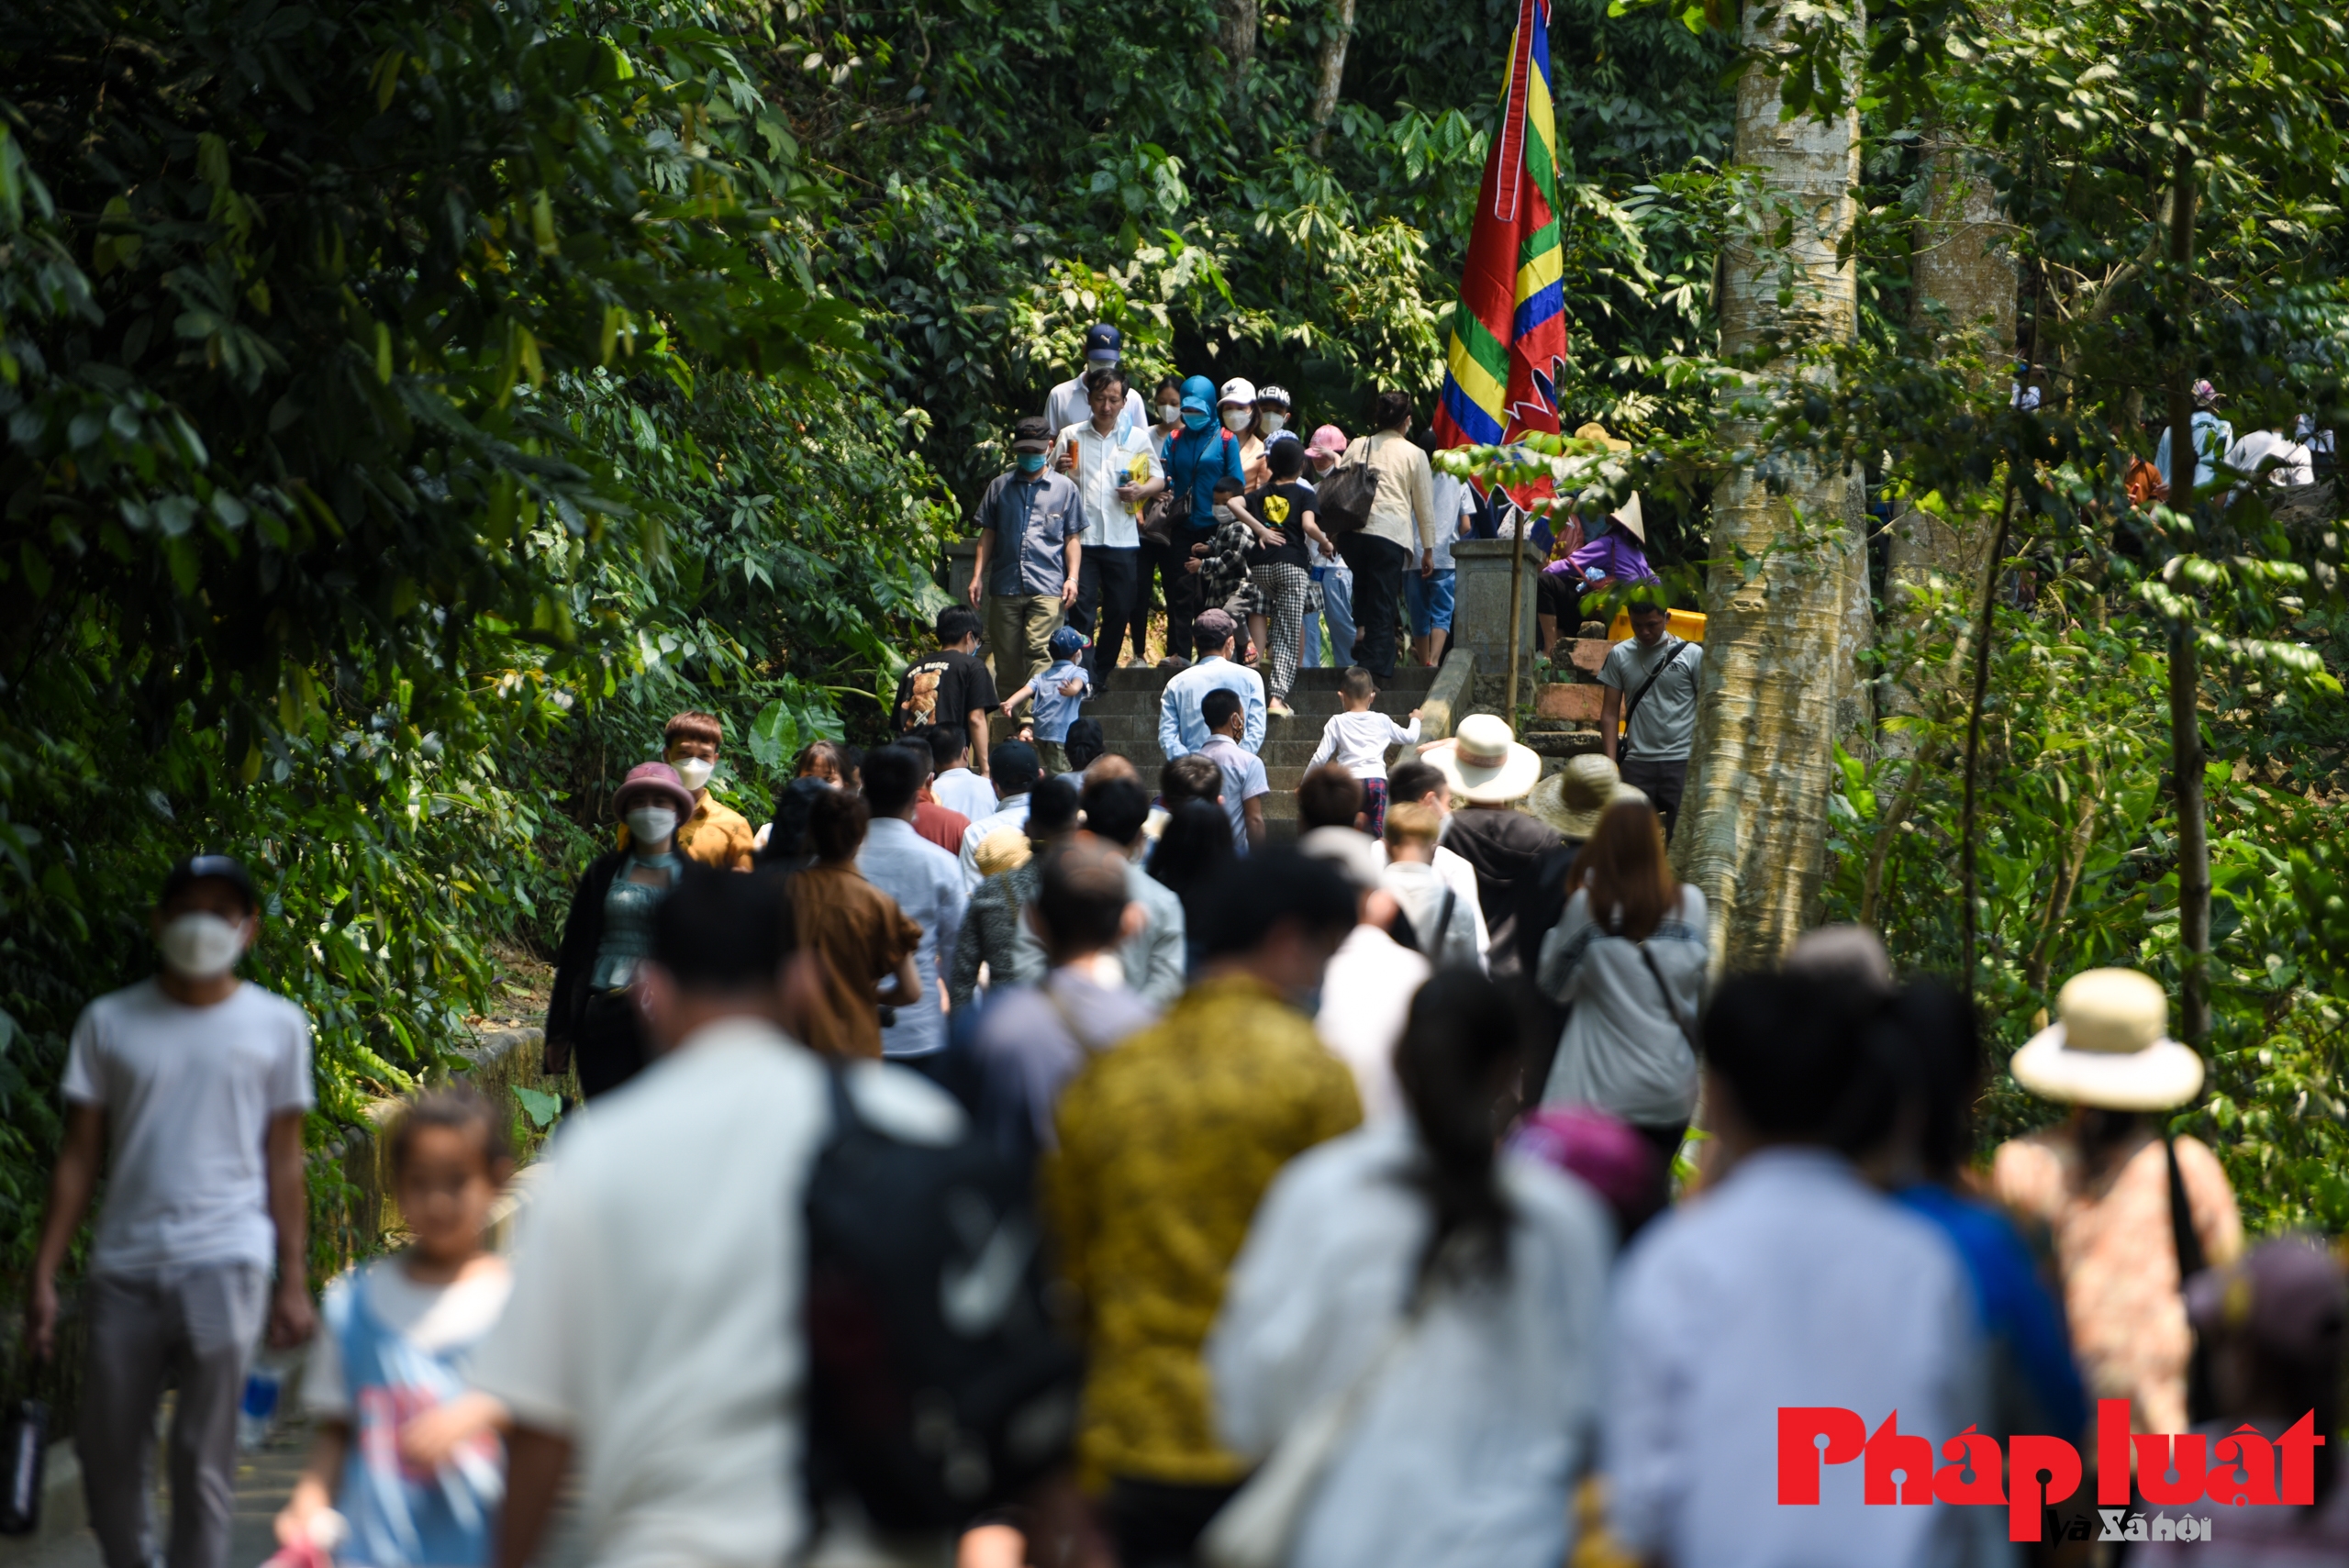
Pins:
<point x="1509" y="333"/>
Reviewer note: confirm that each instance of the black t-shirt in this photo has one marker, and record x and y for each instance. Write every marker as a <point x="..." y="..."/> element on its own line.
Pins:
<point x="1281" y="506"/>
<point x="943" y="688"/>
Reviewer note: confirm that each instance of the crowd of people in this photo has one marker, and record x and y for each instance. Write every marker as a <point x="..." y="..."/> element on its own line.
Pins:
<point x="1409" y="1194"/>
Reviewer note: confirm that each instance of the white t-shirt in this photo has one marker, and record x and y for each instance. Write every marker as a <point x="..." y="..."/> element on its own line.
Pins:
<point x="430" y="1317"/>
<point x="189" y="1094"/>
<point x="658" y="1274"/>
<point x="965" y="791"/>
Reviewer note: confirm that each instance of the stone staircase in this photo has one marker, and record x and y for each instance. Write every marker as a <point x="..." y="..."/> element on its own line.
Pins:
<point x="1126" y="702"/>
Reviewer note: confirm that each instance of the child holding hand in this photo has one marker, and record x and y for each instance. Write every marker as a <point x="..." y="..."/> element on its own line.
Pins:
<point x="1356" y="738"/>
<point x="404" y="1448"/>
<point x="1059" y="689"/>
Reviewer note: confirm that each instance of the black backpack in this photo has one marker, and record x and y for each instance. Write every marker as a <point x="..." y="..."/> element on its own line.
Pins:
<point x="939" y="1386"/>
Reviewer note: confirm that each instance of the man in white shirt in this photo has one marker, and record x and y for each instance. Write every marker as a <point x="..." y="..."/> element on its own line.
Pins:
<point x="1181" y="727"/>
<point x="1793" y="1283"/>
<point x="659" y="1267"/>
<point x="1366" y="992"/>
<point x="955" y="785"/>
<point x="188" y="1091"/>
<point x="926" y="881"/>
<point x="1116" y="469"/>
<point x="1068" y="403"/>
<point x="1015" y="772"/>
<point x="1414" y="783"/>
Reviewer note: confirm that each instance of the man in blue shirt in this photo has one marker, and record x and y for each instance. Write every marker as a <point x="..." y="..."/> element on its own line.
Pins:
<point x="1182" y="727"/>
<point x="1031" y="526"/>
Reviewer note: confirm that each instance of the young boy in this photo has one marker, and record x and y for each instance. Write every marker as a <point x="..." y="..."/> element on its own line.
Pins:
<point x="1356" y="740"/>
<point x="1280" y="523"/>
<point x="716" y="834"/>
<point x="1060" y="690"/>
<point x="405" y="1447"/>
<point x="955" y="785"/>
<point x="1244" y="784"/>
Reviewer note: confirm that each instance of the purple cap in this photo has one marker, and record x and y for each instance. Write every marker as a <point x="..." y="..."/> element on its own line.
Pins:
<point x="1612" y="1160"/>
<point x="658" y="780"/>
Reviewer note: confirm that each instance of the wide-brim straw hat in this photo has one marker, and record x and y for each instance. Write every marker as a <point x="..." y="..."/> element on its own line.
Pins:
<point x="658" y="780"/>
<point x="1482" y="763"/>
<point x="1594" y="431"/>
<point x="2109" y="1047"/>
<point x="1574" y="800"/>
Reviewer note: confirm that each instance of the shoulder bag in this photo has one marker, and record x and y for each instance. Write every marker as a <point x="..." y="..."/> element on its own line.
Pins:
<point x="1670" y="1006"/>
<point x="2200" y="1401"/>
<point x="1343" y="501"/>
<point x="1623" y="751"/>
<point x="1257" y="1528"/>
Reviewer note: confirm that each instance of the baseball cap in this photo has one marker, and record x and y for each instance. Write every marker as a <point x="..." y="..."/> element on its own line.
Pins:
<point x="1032" y="435"/>
<point x="202" y="867"/>
<point x="1271" y="393"/>
<point x="1239" y="389"/>
<point x="1103" y="343"/>
<point x="1068" y="642"/>
<point x="1216" y="623"/>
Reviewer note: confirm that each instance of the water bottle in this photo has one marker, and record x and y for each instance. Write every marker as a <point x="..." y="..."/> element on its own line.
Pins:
<point x="257" y="1411"/>
<point x="24" y="1450"/>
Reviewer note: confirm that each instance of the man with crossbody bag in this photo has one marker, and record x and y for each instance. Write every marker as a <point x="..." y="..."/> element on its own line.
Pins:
<point x="1652" y="683"/>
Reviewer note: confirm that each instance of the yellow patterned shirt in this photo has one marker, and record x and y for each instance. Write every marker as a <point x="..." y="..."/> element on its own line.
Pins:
<point x="1165" y="1144"/>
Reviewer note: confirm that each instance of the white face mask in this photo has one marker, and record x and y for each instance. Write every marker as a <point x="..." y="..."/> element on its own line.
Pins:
<point x="1170" y="413"/>
<point x="649" y="825"/>
<point x="693" y="771"/>
<point x="1238" y="419"/>
<point x="199" y="946"/>
<point x="1274" y="424"/>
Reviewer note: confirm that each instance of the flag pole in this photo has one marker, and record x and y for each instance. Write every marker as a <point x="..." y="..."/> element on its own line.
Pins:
<point x="1516" y="606"/>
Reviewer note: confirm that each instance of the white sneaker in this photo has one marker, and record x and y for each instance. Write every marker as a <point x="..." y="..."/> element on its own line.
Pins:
<point x="1280" y="707"/>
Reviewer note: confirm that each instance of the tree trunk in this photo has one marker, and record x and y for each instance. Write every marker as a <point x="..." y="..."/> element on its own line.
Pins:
<point x="1333" y="71"/>
<point x="1241" y="20"/>
<point x="1958" y="266"/>
<point x="2184" y="667"/>
<point x="1778" y="643"/>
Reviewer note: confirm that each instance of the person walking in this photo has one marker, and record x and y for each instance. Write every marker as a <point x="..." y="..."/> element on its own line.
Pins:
<point x="950" y="686"/>
<point x="1117" y="810"/>
<point x="1366" y="992"/>
<point x="1627" y="961"/>
<point x="1440" y="922"/>
<point x="954" y="784"/>
<point x="1793" y="1284"/>
<point x="1115" y="465"/>
<point x="186" y="1091"/>
<point x="997" y="936"/>
<point x="1244" y="784"/>
<point x="1182" y="722"/>
<point x="2213" y="434"/>
<point x="1193" y="847"/>
<point x="1331" y="575"/>
<point x="712" y="833"/>
<point x="1279" y="516"/>
<point x="1413" y="782"/>
<point x="407" y="1452"/>
<point x="1358" y="739"/>
<point x="1195" y="457"/>
<point x="650" y="1344"/>
<point x="1015" y="772"/>
<point x="1070" y="401"/>
<point x="592" y="1020"/>
<point x="1236" y="406"/>
<point x="1426" y="596"/>
<point x="1456" y="1292"/>
<point x="1032" y="1038"/>
<point x="2104" y="1182"/>
<point x="1059" y="691"/>
<point x="1165" y="1144"/>
<point x="1652" y="682"/>
<point x="1400" y="536"/>
<point x="925" y="884"/>
<point x="1489" y="774"/>
<point x="1031" y="552"/>
<point x="861" y="941"/>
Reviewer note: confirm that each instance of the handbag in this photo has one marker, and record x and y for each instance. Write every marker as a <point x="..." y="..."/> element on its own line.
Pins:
<point x="1258" y="1526"/>
<point x="1343" y="501"/>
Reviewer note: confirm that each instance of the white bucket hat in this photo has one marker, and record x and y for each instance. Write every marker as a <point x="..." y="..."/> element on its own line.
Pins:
<point x="1482" y="763"/>
<point x="2109" y="1047"/>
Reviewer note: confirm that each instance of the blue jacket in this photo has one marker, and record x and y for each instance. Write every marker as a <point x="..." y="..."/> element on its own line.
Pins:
<point x="1197" y="459"/>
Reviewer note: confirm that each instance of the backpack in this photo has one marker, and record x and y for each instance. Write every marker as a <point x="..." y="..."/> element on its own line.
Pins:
<point x="938" y="1385"/>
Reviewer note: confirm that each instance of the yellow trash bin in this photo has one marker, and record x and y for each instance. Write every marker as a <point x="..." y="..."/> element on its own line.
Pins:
<point x="1688" y="625"/>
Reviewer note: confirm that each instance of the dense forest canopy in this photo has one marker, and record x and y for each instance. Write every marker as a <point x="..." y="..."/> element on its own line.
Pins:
<point x="409" y="405"/>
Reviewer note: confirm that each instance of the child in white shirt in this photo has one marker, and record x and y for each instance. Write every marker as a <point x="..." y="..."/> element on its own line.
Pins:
<point x="1356" y="740"/>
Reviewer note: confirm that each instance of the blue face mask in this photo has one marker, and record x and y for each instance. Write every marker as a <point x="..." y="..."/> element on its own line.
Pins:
<point x="1031" y="462"/>
<point x="1196" y="421"/>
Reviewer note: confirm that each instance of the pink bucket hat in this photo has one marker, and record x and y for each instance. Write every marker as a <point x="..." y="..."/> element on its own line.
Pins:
<point x="658" y="780"/>
<point x="1328" y="439"/>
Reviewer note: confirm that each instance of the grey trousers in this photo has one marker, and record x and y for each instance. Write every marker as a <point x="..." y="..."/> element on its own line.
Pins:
<point x="194" y="1328"/>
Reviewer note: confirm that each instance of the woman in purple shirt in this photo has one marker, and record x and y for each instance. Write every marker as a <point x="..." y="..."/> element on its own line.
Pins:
<point x="1616" y="556"/>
